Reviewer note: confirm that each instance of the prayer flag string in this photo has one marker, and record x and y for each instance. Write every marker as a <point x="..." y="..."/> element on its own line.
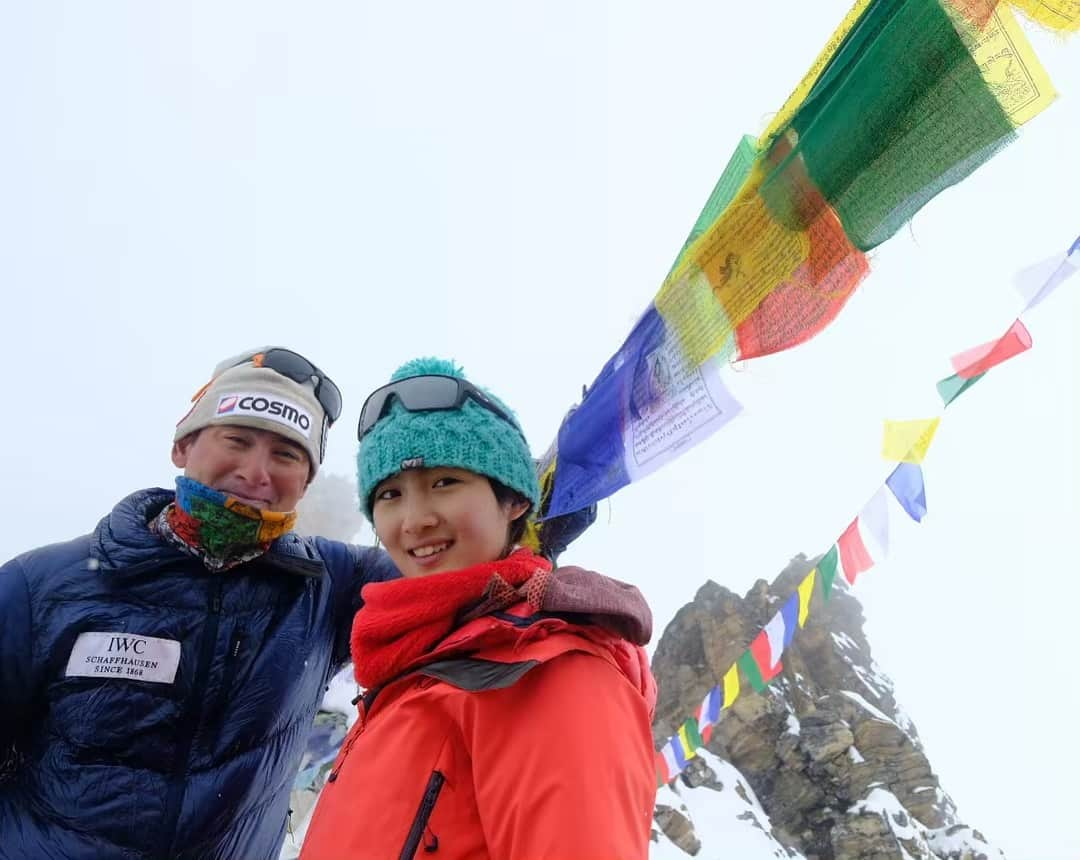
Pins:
<point x="906" y="99"/>
<point x="907" y="442"/>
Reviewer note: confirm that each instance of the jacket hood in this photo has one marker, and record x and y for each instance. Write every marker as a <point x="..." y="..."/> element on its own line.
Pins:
<point x="614" y="605"/>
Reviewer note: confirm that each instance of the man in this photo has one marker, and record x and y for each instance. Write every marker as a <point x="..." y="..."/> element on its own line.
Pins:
<point x="159" y="676"/>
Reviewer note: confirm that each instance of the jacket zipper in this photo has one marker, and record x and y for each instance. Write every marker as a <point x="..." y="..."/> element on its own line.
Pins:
<point x="357" y="730"/>
<point x="189" y="725"/>
<point x="423" y="814"/>
<point x="364" y="702"/>
<point x="227" y="678"/>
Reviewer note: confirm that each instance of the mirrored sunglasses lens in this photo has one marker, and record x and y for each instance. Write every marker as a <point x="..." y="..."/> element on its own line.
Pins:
<point x="428" y="392"/>
<point x="290" y="364"/>
<point x="299" y="369"/>
<point x="330" y="397"/>
<point x="372" y="411"/>
<point x="417" y="394"/>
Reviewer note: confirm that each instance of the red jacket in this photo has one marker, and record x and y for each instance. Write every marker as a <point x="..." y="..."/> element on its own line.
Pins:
<point x="517" y="738"/>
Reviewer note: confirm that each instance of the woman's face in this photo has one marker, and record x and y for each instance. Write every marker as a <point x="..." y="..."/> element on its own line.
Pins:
<point x="441" y="519"/>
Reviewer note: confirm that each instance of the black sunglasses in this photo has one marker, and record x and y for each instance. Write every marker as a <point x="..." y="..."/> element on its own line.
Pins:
<point x="430" y="393"/>
<point x="297" y="368"/>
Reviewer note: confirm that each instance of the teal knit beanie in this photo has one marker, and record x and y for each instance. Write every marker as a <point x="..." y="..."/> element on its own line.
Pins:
<point x="472" y="438"/>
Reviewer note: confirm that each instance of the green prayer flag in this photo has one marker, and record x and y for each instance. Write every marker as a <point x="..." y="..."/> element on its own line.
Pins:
<point x="750" y="669"/>
<point x="900" y="113"/>
<point x="953" y="386"/>
<point x="692" y="733"/>
<point x="727" y="186"/>
<point x="827" y="570"/>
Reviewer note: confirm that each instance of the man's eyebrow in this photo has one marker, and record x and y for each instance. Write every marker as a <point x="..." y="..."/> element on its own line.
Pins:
<point x="289" y="443"/>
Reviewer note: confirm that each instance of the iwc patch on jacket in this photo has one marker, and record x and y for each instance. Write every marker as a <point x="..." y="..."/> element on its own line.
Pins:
<point x="124" y="655"/>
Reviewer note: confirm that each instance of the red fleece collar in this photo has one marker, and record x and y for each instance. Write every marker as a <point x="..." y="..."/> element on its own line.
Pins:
<point x="405" y="618"/>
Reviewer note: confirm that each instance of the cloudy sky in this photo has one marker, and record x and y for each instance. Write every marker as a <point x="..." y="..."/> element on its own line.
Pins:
<point x="507" y="184"/>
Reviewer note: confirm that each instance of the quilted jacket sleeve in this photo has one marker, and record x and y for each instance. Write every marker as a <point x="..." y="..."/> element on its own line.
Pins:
<point x="17" y="682"/>
<point x="563" y="764"/>
<point x="352" y="567"/>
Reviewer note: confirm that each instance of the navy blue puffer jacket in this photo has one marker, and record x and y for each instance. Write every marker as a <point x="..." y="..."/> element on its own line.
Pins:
<point x="198" y="761"/>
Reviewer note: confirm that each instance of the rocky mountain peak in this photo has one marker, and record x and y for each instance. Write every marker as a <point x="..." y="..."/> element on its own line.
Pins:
<point x="825" y="763"/>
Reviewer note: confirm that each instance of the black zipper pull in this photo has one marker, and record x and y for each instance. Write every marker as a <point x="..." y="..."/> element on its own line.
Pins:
<point x="420" y="829"/>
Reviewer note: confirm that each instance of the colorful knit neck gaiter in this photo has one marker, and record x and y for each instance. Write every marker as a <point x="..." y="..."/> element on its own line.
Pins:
<point x="217" y="528"/>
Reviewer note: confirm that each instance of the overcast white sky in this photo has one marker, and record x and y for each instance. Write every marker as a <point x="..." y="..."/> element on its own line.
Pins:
<point x="507" y="185"/>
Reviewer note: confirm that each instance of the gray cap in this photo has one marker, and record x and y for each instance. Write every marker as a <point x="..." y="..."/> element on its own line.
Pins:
<point x="262" y="398"/>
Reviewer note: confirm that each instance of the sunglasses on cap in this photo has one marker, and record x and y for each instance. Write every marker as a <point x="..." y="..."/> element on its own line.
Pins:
<point x="430" y="393"/>
<point x="295" y="367"/>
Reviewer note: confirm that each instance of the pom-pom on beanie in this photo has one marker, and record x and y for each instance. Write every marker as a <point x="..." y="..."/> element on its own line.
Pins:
<point x="471" y="437"/>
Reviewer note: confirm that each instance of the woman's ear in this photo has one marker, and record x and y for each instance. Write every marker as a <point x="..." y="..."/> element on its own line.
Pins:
<point x="517" y="509"/>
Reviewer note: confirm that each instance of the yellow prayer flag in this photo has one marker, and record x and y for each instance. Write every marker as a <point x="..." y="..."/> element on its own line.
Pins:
<point x="731" y="686"/>
<point x="1060" y="15"/>
<point x="1007" y="62"/>
<point x="533" y="530"/>
<point x="728" y="271"/>
<point x="689" y="750"/>
<point x="806" y="591"/>
<point x="908" y="441"/>
<point x="689" y="307"/>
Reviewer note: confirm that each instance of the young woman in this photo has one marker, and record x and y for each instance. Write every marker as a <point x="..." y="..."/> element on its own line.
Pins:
<point x="508" y="705"/>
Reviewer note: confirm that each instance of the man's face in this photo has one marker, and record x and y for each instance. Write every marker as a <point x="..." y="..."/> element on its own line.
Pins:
<point x="260" y="468"/>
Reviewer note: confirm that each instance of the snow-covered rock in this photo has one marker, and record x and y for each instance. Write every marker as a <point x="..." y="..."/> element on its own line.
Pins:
<point x="836" y="766"/>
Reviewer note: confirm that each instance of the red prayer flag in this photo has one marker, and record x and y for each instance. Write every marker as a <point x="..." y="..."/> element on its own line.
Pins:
<point x="978" y="12"/>
<point x="853" y="555"/>
<point x="811" y="298"/>
<point x="705" y="731"/>
<point x="662" y="775"/>
<point x="979" y="359"/>
<point x="762" y="655"/>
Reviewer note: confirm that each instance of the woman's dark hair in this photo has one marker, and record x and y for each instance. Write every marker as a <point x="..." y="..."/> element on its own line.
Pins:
<point x="504" y="495"/>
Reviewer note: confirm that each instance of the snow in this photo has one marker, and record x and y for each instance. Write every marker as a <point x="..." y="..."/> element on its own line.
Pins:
<point x="290" y="850"/>
<point x="845" y="641"/>
<point x="875" y="680"/>
<point x="728" y="825"/>
<point x="951" y="841"/>
<point x="870" y="680"/>
<point x="340" y="694"/>
<point x="963" y="838"/>
<point x="878" y="714"/>
<point x="905" y="723"/>
<point x="944" y="803"/>
<point x="793" y="724"/>
<point x="855" y="755"/>
<point x="859" y="700"/>
<point x="880" y="677"/>
<point x="883" y="802"/>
